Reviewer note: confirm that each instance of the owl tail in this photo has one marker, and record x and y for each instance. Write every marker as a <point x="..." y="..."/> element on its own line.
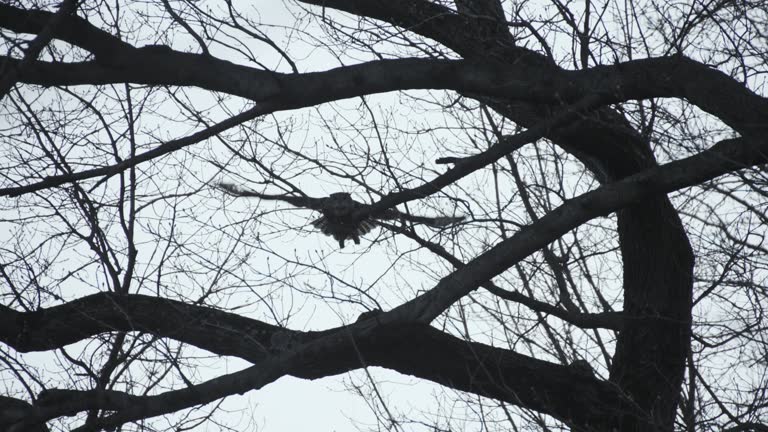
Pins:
<point x="366" y="226"/>
<point x="320" y="223"/>
<point x="341" y="231"/>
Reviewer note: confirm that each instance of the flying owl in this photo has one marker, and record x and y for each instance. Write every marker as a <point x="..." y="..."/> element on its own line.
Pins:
<point x="342" y="217"/>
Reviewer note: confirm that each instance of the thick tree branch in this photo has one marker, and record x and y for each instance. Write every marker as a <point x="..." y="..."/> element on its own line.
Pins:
<point x="72" y="29"/>
<point x="674" y="76"/>
<point x="413" y="349"/>
<point x="532" y="81"/>
<point x="216" y="331"/>
<point x="724" y="157"/>
<point x="9" y="73"/>
<point x="169" y="67"/>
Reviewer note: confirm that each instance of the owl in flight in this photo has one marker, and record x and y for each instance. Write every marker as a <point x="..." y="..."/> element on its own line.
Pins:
<point x="342" y="217"/>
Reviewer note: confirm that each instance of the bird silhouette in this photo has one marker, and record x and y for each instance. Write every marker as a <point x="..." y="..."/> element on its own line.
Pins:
<point x="343" y="218"/>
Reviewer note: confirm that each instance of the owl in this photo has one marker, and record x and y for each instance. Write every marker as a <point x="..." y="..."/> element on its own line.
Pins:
<point x="339" y="219"/>
<point x="342" y="217"/>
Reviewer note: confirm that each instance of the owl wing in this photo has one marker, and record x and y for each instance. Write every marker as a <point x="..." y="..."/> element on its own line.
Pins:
<point x="437" y="221"/>
<point x="296" y="201"/>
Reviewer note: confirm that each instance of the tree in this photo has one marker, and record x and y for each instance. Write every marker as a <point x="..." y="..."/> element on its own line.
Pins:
<point x="608" y="159"/>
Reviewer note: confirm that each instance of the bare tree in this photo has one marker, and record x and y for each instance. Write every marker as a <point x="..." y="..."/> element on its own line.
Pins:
<point x="598" y="263"/>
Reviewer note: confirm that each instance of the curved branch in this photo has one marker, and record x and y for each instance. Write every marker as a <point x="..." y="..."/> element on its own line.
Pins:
<point x="534" y="81"/>
<point x="413" y="349"/>
<point x="674" y="76"/>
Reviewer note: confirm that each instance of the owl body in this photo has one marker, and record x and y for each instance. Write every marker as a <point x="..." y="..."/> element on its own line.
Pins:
<point x="339" y="220"/>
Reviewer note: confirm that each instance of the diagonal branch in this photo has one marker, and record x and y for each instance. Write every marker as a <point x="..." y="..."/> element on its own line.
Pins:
<point x="726" y="156"/>
<point x="424" y="352"/>
<point x="606" y="320"/>
<point x="465" y="166"/>
<point x="159" y="151"/>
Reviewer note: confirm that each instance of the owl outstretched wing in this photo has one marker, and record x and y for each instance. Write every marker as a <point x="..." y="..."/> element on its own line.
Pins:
<point x="433" y="221"/>
<point x="297" y="201"/>
<point x="342" y="217"/>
